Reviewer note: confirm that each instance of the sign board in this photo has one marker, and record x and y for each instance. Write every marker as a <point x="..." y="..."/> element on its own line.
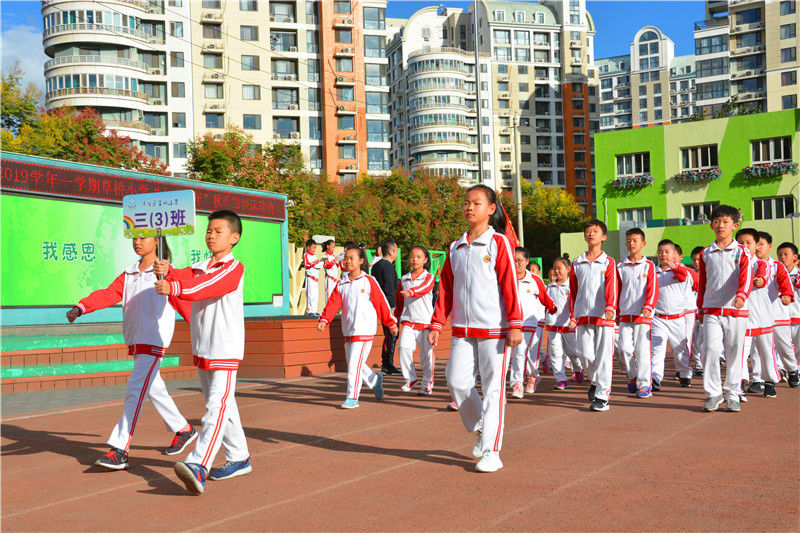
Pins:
<point x="172" y="212"/>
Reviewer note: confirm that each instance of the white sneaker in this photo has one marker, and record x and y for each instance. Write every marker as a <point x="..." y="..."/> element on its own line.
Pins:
<point x="490" y="462"/>
<point x="408" y="386"/>
<point x="516" y="390"/>
<point x="477" y="448"/>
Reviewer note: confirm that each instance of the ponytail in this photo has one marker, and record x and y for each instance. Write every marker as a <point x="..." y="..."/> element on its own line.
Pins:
<point x="166" y="253"/>
<point x="498" y="220"/>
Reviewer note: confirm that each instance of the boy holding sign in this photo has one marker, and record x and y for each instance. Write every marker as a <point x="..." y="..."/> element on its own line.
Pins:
<point x="215" y="289"/>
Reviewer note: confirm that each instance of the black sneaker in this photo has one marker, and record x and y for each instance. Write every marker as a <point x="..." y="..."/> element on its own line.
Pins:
<point x="794" y="379"/>
<point x="698" y="372"/>
<point x="685" y="382"/>
<point x="115" y="459"/>
<point x="656" y="386"/>
<point x="756" y="387"/>
<point x="599" y="405"/>
<point x="677" y="376"/>
<point x="592" y="388"/>
<point x="180" y="441"/>
<point x="769" y="390"/>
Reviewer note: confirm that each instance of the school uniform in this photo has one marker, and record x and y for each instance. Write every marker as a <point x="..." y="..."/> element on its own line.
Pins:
<point x="725" y="274"/>
<point x="778" y="284"/>
<point x="478" y="291"/>
<point x="311" y="264"/>
<point x="331" y="268"/>
<point x="638" y="292"/>
<point x="534" y="301"/>
<point x="414" y="314"/>
<point x="561" y="341"/>
<point x="362" y="303"/>
<point x="593" y="291"/>
<point x="759" y="343"/>
<point x="216" y="292"/>
<point x="794" y="311"/>
<point x="694" y="345"/>
<point x="147" y="327"/>
<point x="669" y="321"/>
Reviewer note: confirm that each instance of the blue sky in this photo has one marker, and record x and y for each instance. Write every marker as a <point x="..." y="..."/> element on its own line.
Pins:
<point x="616" y="22"/>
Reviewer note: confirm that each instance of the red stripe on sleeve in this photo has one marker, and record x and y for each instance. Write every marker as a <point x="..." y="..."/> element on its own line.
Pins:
<point x="701" y="284"/>
<point x="102" y="298"/>
<point x="745" y="275"/>
<point x="332" y="306"/>
<point x="784" y="283"/>
<point x="611" y="291"/>
<point x="651" y="289"/>
<point x="380" y="303"/>
<point x="444" y="303"/>
<point x="573" y="291"/>
<point x="212" y="284"/>
<point x="507" y="280"/>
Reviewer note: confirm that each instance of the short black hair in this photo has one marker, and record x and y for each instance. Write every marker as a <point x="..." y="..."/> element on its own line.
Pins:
<point x="350" y="244"/>
<point x="327" y="243"/>
<point x="596" y="222"/>
<point x="723" y="210"/>
<point x="635" y="231"/>
<point x="764" y="235"/>
<point x="666" y="242"/>
<point x="309" y="242"/>
<point x="747" y="231"/>
<point x="790" y="245"/>
<point x="678" y="248"/>
<point x="387" y="245"/>
<point x="696" y="250"/>
<point x="561" y="259"/>
<point x="362" y="254"/>
<point x="234" y="222"/>
<point x="524" y="251"/>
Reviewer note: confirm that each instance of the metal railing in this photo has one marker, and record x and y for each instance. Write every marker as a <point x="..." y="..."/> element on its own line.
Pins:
<point x="85" y="26"/>
<point x="711" y="23"/>
<point x="128" y="124"/>
<point x="105" y="91"/>
<point x="109" y="60"/>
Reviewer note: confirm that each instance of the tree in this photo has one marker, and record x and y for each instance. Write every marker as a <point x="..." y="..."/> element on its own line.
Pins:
<point x="18" y="106"/>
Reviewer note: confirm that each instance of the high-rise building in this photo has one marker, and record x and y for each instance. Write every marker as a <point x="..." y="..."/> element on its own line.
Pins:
<point x="310" y="72"/>
<point x="534" y="107"/>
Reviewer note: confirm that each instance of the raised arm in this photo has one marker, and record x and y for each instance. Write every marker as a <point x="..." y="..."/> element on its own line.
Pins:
<point x="102" y="298"/>
<point x="214" y="284"/>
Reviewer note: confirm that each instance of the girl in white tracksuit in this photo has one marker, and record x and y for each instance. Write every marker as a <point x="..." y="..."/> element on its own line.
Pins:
<point x="362" y="302"/>
<point x="534" y="301"/>
<point x="478" y="291"/>
<point x="413" y="311"/>
<point x="562" y="345"/>
<point x="147" y="327"/>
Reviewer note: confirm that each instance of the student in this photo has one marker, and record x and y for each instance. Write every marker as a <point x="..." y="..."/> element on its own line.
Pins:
<point x="780" y="295"/>
<point x="385" y="274"/>
<point x="533" y="267"/>
<point x="690" y="314"/>
<point x="330" y="266"/>
<point x="787" y="254"/>
<point x="726" y="280"/>
<point x="215" y="289"/>
<point x="377" y="257"/>
<point x="593" y="306"/>
<point x="561" y="341"/>
<point x="414" y="309"/>
<point x="638" y="295"/>
<point x="669" y="322"/>
<point x="534" y="300"/>
<point x="697" y="331"/>
<point x="478" y="290"/>
<point x="362" y="302"/>
<point x="311" y="264"/>
<point x="147" y="327"/>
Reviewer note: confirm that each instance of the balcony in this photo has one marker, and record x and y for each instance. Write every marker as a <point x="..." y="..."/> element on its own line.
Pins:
<point x="733" y="3"/>
<point x="446" y="50"/>
<point x="128" y="125"/>
<point x="541" y="45"/>
<point x="94" y="91"/>
<point x="282" y="19"/>
<point x="574" y="44"/>
<point x="213" y="17"/>
<point x="741" y="74"/>
<point x="576" y="61"/>
<point x="213" y="47"/>
<point x="744" y="28"/>
<point x="343" y="24"/>
<point x="440" y="124"/>
<point x="95" y="59"/>
<point x="283" y="76"/>
<point x="347" y="139"/>
<point x="342" y="110"/>
<point x="341" y="81"/>
<point x="344" y="52"/>
<point x="217" y="107"/>
<point x="449" y="159"/>
<point x="349" y="169"/>
<point x="747" y="50"/>
<point x="754" y="95"/>
<point x="213" y="77"/>
<point x="708" y="24"/>
<point x="122" y="31"/>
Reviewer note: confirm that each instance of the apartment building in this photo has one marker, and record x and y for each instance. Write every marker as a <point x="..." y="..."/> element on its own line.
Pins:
<point x="537" y="107"/>
<point x="747" y="49"/>
<point x="648" y="86"/>
<point x="306" y="72"/>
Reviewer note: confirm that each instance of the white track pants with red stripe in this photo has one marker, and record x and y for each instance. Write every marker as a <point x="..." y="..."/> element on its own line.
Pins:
<point x="409" y="339"/>
<point x="762" y="353"/>
<point x="525" y="356"/>
<point x="487" y="414"/>
<point x="784" y="348"/>
<point x="697" y="344"/>
<point x="562" y="346"/>
<point x="724" y="337"/>
<point x="312" y="295"/>
<point x="675" y="332"/>
<point x="596" y="345"/>
<point x="795" y="329"/>
<point x="634" y="343"/>
<point x="221" y="423"/>
<point x="330" y="284"/>
<point x="145" y="382"/>
<point x="357" y="353"/>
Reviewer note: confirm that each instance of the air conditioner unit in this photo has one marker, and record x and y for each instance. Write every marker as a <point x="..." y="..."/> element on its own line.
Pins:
<point x="158" y="102"/>
<point x="156" y="72"/>
<point x="505" y="148"/>
<point x="272" y="19"/>
<point x="348" y="21"/>
<point x="293" y="49"/>
<point x="291" y="77"/>
<point x="340" y="108"/>
<point x="426" y="39"/>
<point x="339" y="79"/>
<point x="503" y="95"/>
<point x="349" y="138"/>
<point x="352" y="167"/>
<point x="216" y="75"/>
<point x="214" y="106"/>
<point x="212" y="46"/>
<point x="294" y="135"/>
<point x="208" y="16"/>
<point x="347" y="50"/>
<point x="294" y="107"/>
<point x="276" y="135"/>
<point x="272" y="47"/>
<point x="275" y="77"/>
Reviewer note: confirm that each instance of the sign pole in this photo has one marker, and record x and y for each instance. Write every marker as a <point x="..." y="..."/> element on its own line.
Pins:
<point x="160" y="250"/>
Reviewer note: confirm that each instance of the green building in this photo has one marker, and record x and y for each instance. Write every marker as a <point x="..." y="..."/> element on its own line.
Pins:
<point x="667" y="179"/>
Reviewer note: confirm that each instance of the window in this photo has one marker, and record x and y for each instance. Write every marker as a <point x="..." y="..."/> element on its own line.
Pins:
<point x="347" y="151"/>
<point x="377" y="159"/>
<point x="212" y="61"/>
<point x="789" y="78"/>
<point x="377" y="102"/>
<point x="714" y="89"/>
<point x="374" y="46"/>
<point x="344" y="64"/>
<point x="502" y="54"/>
<point x="696" y="157"/>
<point x="248" y="5"/>
<point x="284" y="68"/>
<point x="643" y="116"/>
<point x="344" y="36"/>
<point x="313" y="99"/>
<point x="315" y="128"/>
<point x="215" y="120"/>
<point x="251" y="122"/>
<point x="250" y="63"/>
<point x="312" y="41"/>
<point x="176" y="29"/>
<point x="344" y="93"/>
<point x="523" y="55"/>
<point x="248" y="33"/>
<point x="213" y="90"/>
<point x="788" y="7"/>
<point x="179" y="120"/>
<point x="788" y="54"/>
<point x="750" y="39"/>
<point x="315" y="157"/>
<point x="769" y="150"/>
<point x="499" y="16"/>
<point x="284" y="99"/>
<point x="282" y="11"/>
<point x="251" y="92"/>
<point x="788" y="31"/>
<point x="179" y="150"/>
<point x="374" y="18"/>
<point x="632" y="164"/>
<point x="638" y="215"/>
<point x="176" y="59"/>
<point x="342" y="7"/>
<point x="711" y="45"/>
<point x="285" y="126"/>
<point x="770" y="208"/>
<point x="789" y="101"/>
<point x="212" y="4"/>
<point x="502" y="37"/>
<point x="212" y="31"/>
<point x="378" y="130"/>
<point x="712" y="67"/>
<point x="178" y="89"/>
<point x="346" y="122"/>
<point x="313" y="69"/>
<point x="748" y="16"/>
<point x="699" y="211"/>
<point x="375" y="74"/>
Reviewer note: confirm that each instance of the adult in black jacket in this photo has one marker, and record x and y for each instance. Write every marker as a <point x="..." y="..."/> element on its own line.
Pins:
<point x="384" y="272"/>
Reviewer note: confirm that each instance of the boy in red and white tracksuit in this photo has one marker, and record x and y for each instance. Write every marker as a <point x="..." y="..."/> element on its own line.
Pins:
<point x="330" y="265"/>
<point x="312" y="265"/>
<point x="414" y="314"/>
<point x="593" y="305"/>
<point x="525" y="357"/>
<point x="787" y="254"/>
<point x="759" y="340"/>
<point x="561" y="338"/>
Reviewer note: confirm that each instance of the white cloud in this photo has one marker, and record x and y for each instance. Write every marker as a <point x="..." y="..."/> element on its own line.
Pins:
<point x="24" y="42"/>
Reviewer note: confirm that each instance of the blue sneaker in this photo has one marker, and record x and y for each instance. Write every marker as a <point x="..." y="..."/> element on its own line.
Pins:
<point x="350" y="403"/>
<point x="632" y="386"/>
<point x="193" y="476"/>
<point x="231" y="469"/>
<point x="644" y="392"/>
<point x="378" y="388"/>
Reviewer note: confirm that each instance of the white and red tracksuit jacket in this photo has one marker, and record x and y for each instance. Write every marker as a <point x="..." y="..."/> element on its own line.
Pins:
<point x="638" y="290"/>
<point x="415" y="311"/>
<point x="691" y="291"/>
<point x="759" y="319"/>
<point x="478" y="288"/>
<point x="725" y="274"/>
<point x="777" y="284"/>
<point x="330" y="266"/>
<point x="534" y="300"/>
<point x="593" y="290"/>
<point x="558" y="320"/>
<point x="217" y="325"/>
<point x="147" y="322"/>
<point x="362" y="303"/>
<point x="311" y="264"/>
<point x="673" y="285"/>
<point x="794" y="307"/>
